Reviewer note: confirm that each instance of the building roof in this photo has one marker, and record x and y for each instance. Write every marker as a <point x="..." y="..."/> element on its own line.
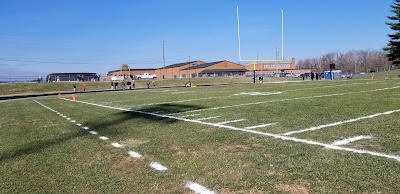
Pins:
<point x="205" y="65"/>
<point x="222" y="70"/>
<point x="180" y="64"/>
<point x="149" y="69"/>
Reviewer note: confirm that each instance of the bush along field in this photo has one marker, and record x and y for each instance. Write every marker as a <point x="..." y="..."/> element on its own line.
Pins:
<point x="324" y="136"/>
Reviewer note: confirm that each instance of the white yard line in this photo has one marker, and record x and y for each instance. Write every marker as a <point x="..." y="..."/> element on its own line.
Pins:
<point x="277" y="136"/>
<point x="93" y="132"/>
<point x="78" y="124"/>
<point x="259" y="126"/>
<point x="198" y="188"/>
<point x="283" y="100"/>
<point x="158" y="166"/>
<point x="117" y="145"/>
<point x="134" y="154"/>
<point x="192" y="115"/>
<point x="340" y="122"/>
<point x="207" y="118"/>
<point x="85" y="128"/>
<point x="103" y="138"/>
<point x="351" y="139"/>
<point x="233" y="121"/>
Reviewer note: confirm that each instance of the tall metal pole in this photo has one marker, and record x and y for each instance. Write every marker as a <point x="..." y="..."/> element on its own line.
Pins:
<point x="163" y="59"/>
<point x="282" y="35"/>
<point x="237" y="15"/>
<point x="189" y="71"/>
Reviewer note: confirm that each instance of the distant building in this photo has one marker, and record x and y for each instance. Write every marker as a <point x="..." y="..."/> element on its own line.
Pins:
<point x="186" y="69"/>
<point x="275" y="68"/>
<point x="71" y="77"/>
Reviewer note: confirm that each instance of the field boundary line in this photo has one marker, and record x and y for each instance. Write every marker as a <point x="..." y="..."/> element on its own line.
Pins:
<point x="259" y="126"/>
<point x="351" y="139"/>
<point x="232" y="121"/>
<point x="340" y="122"/>
<point x="276" y="136"/>
<point x="198" y="188"/>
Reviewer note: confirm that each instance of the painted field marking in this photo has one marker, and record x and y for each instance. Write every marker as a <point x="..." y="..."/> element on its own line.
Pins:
<point x="259" y="126"/>
<point x="181" y="92"/>
<point x="93" y="132"/>
<point x="351" y="139"/>
<point x="256" y="93"/>
<point x="276" y="136"/>
<point x="85" y="128"/>
<point x="233" y="121"/>
<point x="134" y="154"/>
<point x="192" y="115"/>
<point x="158" y="166"/>
<point x="103" y="138"/>
<point x="283" y="100"/>
<point x="340" y="122"/>
<point x="68" y="118"/>
<point x="78" y="124"/>
<point x="117" y="145"/>
<point x="207" y="118"/>
<point x="64" y="116"/>
<point x="198" y="188"/>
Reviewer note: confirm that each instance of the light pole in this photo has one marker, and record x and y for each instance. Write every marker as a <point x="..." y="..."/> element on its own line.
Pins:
<point x="189" y="71"/>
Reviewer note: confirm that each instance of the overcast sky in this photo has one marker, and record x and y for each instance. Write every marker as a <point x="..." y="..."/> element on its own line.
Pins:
<point x="44" y="36"/>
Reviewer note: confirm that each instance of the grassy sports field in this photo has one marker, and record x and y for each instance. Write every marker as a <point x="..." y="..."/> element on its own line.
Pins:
<point x="282" y="137"/>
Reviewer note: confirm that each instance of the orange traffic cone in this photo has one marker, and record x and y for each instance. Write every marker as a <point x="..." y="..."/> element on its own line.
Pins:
<point x="59" y="95"/>
<point x="73" y="97"/>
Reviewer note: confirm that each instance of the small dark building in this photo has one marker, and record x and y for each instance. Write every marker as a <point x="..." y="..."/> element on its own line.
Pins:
<point x="72" y="77"/>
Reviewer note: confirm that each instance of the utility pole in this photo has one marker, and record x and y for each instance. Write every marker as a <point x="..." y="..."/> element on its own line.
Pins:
<point x="189" y="72"/>
<point x="276" y="53"/>
<point x="163" y="56"/>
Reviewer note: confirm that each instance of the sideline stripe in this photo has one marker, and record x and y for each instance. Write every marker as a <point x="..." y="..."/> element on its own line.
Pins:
<point x="351" y="139"/>
<point x="233" y="121"/>
<point x="103" y="138"/>
<point x="93" y="132"/>
<point x="277" y="136"/>
<point x="117" y="145"/>
<point x="158" y="166"/>
<point x="190" y="115"/>
<point x="134" y="154"/>
<point x="258" y="126"/>
<point x="341" y="122"/>
<point x="202" y="119"/>
<point x="198" y="188"/>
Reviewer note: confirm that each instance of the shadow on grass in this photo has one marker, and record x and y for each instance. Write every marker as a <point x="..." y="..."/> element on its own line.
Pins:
<point x="141" y="115"/>
<point x="102" y="124"/>
<point x="39" y="146"/>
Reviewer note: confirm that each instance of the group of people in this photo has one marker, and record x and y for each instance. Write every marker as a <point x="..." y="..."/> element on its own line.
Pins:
<point x="312" y="76"/>
<point x="130" y="84"/>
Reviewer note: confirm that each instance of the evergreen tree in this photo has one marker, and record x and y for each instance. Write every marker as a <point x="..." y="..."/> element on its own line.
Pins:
<point x="393" y="48"/>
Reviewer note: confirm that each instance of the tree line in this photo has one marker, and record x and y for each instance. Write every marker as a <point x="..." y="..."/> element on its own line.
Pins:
<point x="354" y="61"/>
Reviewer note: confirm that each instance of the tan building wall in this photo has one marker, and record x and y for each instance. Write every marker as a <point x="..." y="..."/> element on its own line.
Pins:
<point x="221" y="66"/>
<point x="174" y="71"/>
<point x="276" y="67"/>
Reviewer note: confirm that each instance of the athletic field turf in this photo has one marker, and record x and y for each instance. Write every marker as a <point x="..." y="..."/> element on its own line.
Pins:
<point x="288" y="137"/>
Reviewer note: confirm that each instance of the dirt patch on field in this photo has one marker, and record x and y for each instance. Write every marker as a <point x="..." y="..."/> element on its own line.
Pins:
<point x="134" y="142"/>
<point x="125" y="163"/>
<point x="299" y="187"/>
<point x="236" y="148"/>
<point x="251" y="191"/>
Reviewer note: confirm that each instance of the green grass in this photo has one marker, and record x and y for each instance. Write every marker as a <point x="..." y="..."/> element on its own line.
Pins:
<point x="42" y="152"/>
